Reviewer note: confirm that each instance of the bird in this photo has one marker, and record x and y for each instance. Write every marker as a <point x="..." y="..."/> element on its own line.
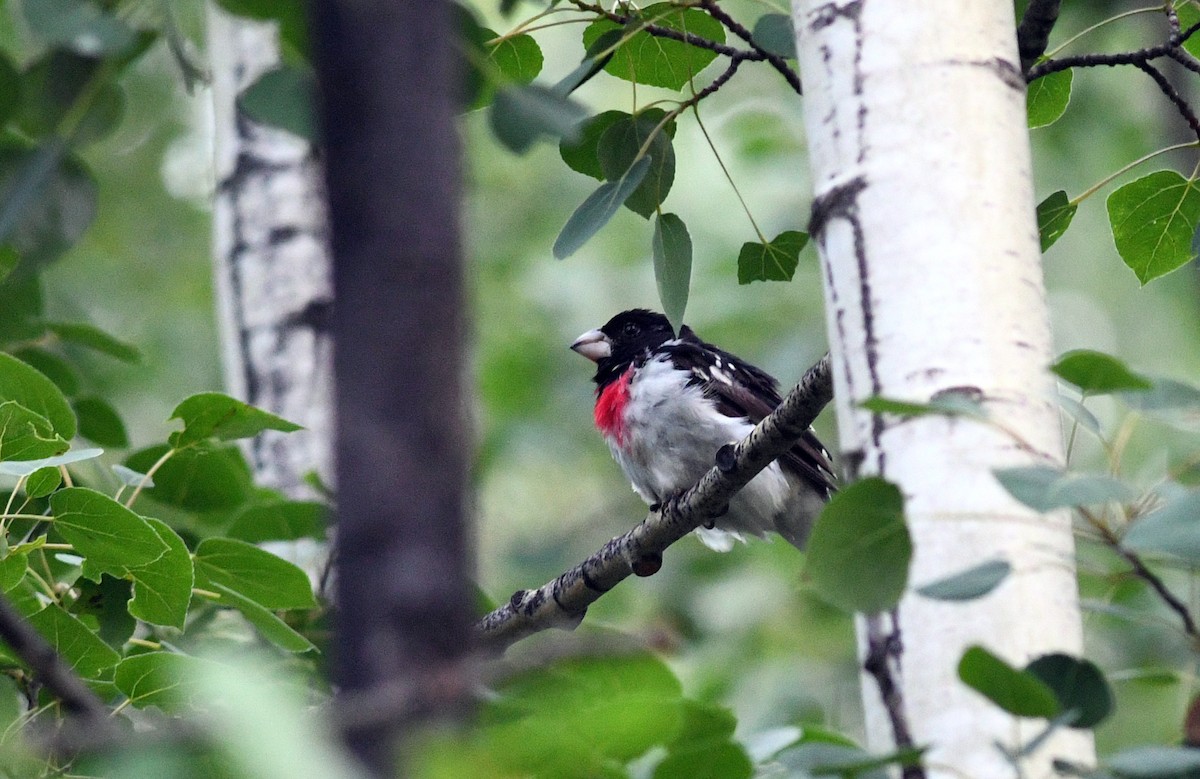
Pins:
<point x="665" y="404"/>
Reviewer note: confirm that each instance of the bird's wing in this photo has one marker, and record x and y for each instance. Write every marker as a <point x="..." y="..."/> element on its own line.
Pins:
<point x="743" y="390"/>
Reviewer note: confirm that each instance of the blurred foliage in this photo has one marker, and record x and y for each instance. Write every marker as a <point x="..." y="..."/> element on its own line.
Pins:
<point x="727" y="662"/>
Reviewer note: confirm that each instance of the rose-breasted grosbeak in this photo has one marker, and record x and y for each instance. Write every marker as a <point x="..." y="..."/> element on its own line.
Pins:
<point x="665" y="405"/>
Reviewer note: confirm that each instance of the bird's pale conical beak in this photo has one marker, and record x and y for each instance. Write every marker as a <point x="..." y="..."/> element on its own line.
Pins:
<point x="593" y="345"/>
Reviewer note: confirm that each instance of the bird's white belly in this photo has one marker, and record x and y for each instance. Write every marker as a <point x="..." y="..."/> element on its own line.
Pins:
<point x="669" y="445"/>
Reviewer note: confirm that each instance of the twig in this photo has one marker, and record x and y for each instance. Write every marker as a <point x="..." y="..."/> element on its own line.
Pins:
<point x="563" y="601"/>
<point x="1169" y="598"/>
<point x="1145" y="574"/>
<point x="884" y="648"/>
<point x="1172" y="94"/>
<point x="1109" y="60"/>
<point x="1033" y="34"/>
<point x="755" y="54"/>
<point x="740" y="31"/>
<point x="48" y="668"/>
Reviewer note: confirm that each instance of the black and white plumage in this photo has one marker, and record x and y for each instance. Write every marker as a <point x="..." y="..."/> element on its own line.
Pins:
<point x="666" y="404"/>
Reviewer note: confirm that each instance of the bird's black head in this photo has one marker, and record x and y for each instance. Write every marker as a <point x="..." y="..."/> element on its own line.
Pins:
<point x="622" y="340"/>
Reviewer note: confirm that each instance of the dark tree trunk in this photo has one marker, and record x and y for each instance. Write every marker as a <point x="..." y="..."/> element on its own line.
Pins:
<point x="387" y="72"/>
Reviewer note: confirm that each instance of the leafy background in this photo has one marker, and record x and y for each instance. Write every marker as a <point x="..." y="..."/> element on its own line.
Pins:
<point x="740" y="630"/>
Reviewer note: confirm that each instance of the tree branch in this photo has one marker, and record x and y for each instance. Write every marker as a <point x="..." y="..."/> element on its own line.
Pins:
<point x="1140" y="570"/>
<point x="740" y="31"/>
<point x="48" y="668"/>
<point x="1173" y="95"/>
<point x="1111" y="60"/>
<point x="755" y="54"/>
<point x="564" y="601"/>
<point x="884" y="648"/>
<point x="1034" y="31"/>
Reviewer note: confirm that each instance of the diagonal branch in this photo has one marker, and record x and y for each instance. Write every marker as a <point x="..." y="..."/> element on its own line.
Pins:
<point x="1173" y="95"/>
<point x="564" y="601"/>
<point x="48" y="668"/>
<point x="740" y="31"/>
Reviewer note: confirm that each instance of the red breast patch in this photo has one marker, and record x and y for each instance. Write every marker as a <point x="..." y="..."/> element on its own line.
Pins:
<point x="610" y="407"/>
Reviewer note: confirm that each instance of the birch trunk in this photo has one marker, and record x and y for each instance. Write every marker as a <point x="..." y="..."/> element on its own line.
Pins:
<point x="271" y="264"/>
<point x="924" y="219"/>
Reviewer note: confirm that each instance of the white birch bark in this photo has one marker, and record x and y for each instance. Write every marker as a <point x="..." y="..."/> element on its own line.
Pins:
<point x="924" y="219"/>
<point x="271" y="264"/>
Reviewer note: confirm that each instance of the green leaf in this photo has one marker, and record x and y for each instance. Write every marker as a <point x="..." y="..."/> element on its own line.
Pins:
<point x="1044" y="488"/>
<point x="283" y="520"/>
<point x="213" y="415"/>
<point x="1054" y="215"/>
<point x="522" y="114"/>
<point x="163" y="679"/>
<point x="12" y="570"/>
<point x="1189" y="15"/>
<point x="720" y="760"/>
<point x="267" y="622"/>
<point x="31" y="389"/>
<point x="660" y="62"/>
<point x="162" y="589"/>
<point x="53" y="367"/>
<point x="774" y="261"/>
<point x="95" y="339"/>
<point x="110" y="538"/>
<point x="519" y="57"/>
<point x="599" y="207"/>
<point x="52" y="90"/>
<point x="974" y="582"/>
<point x="1047" y="98"/>
<point x="99" y="422"/>
<point x="1166" y="394"/>
<point x="825" y="759"/>
<point x="859" y="551"/>
<point x="1017" y="692"/>
<point x="1153" y="221"/>
<point x="1096" y="373"/>
<point x="42" y="482"/>
<point x="557" y="721"/>
<point x="9" y="260"/>
<point x="704" y="747"/>
<point x="79" y="26"/>
<point x="672" y="249"/>
<point x="619" y="148"/>
<point x="283" y="97"/>
<point x="1172" y="529"/>
<point x="256" y="574"/>
<point x="198" y="478"/>
<point x="10" y="92"/>
<point x="107" y="603"/>
<point x="1078" y="684"/>
<point x="774" y="33"/>
<point x="47" y="201"/>
<point x="87" y="655"/>
<point x="25" y="435"/>
<point x="27" y="467"/>
<point x="580" y="153"/>
<point x="1155" y="762"/>
<point x="1080" y="413"/>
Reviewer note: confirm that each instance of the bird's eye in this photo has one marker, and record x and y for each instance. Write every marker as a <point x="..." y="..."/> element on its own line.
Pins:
<point x="629" y="329"/>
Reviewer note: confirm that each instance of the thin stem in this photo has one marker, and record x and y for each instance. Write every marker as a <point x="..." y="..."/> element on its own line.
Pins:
<point x="1145" y="574"/>
<point x="148" y="476"/>
<point x="728" y="177"/>
<point x="1125" y="169"/>
<point x="1098" y="25"/>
